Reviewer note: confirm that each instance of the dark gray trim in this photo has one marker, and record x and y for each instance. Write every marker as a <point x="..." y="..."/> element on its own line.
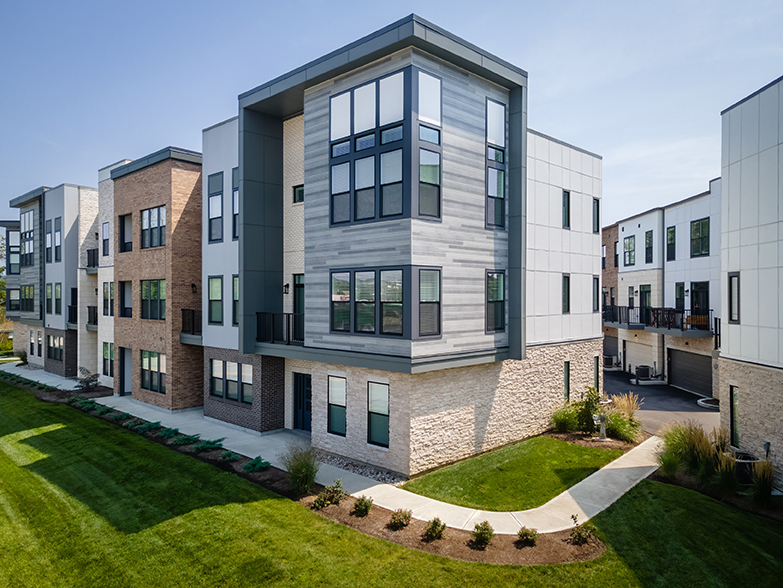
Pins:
<point x="284" y="95"/>
<point x="28" y="197"/>
<point x="516" y="174"/>
<point x="13" y="225"/>
<point x="153" y="158"/>
<point x="749" y="96"/>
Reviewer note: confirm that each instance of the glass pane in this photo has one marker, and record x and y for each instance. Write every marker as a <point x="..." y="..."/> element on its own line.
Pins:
<point x="341" y="316"/>
<point x="495" y="154"/>
<point x="341" y="287"/>
<point x="391" y="286"/>
<point x="429" y="166"/>
<point x="339" y="149"/>
<point x="13" y="238"/>
<point x="337" y="419"/>
<point x="496" y="123"/>
<point x="429" y="135"/>
<point x="365" y="317"/>
<point x="429" y="200"/>
<point x="154" y="218"/>
<point x="364" y="108"/>
<point x="162" y="289"/>
<point x="341" y="208"/>
<point x="365" y="286"/>
<point x="145" y="290"/>
<point x="154" y="362"/>
<point x="429" y="318"/>
<point x="341" y="178"/>
<point x="235" y="289"/>
<point x="429" y="98"/>
<point x="391" y="167"/>
<point x="365" y="204"/>
<point x="235" y="201"/>
<point x="391" y="99"/>
<point x="217" y="369"/>
<point x="391" y="318"/>
<point x="379" y="429"/>
<point x="378" y="398"/>
<point x="215" y="183"/>
<point x="495" y="287"/>
<point x="337" y="390"/>
<point x="162" y="216"/>
<point x="364" y="173"/>
<point x="496" y="182"/>
<point x="365" y="142"/>
<point x="429" y="286"/>
<point x="215" y="207"/>
<point x="391" y="135"/>
<point x="232" y="371"/>
<point x="391" y="200"/>
<point x="145" y="360"/>
<point x="232" y="390"/>
<point x="215" y="288"/>
<point x="247" y="374"/>
<point x="162" y="360"/>
<point x="340" y="116"/>
<point x="145" y="219"/>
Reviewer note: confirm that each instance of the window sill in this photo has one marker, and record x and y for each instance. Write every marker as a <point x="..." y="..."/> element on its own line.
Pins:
<point x="230" y="402"/>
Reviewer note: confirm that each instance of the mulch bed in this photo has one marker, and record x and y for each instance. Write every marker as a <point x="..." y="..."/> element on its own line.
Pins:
<point x="588" y="440"/>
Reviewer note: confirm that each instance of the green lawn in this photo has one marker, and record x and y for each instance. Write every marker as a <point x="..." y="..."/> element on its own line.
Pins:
<point x="85" y="503"/>
<point x="518" y="477"/>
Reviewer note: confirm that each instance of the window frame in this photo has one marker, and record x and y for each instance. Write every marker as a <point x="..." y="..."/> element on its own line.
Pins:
<point x="27" y="238"/>
<point x="13" y="303"/>
<point x="108" y="359"/>
<point x="329" y="405"/>
<point x="158" y="384"/>
<point x="732" y="318"/>
<point x="596" y="216"/>
<point x="49" y="293"/>
<point x="671" y="243"/>
<point x="58" y="298"/>
<point x="235" y="299"/>
<point x="298" y="194"/>
<point x="235" y="203"/>
<point x="566" y="293"/>
<point x="648" y="246"/>
<point x="48" y="240"/>
<point x="567" y="381"/>
<point x="371" y="414"/>
<point x="14" y="252"/>
<point x="629" y="251"/>
<point x="567" y="209"/>
<point x="218" y="179"/>
<point x="210" y="300"/>
<point x="488" y="302"/>
<point x="58" y="235"/>
<point x="596" y="294"/>
<point x="438" y="304"/>
<point x="158" y="303"/>
<point x="125" y="222"/>
<point x="701" y="239"/>
<point x="159" y="229"/>
<point x="492" y="202"/>
<point x="105" y="237"/>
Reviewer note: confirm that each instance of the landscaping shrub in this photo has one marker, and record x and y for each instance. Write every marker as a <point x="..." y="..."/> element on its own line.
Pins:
<point x="618" y="426"/>
<point x="586" y="408"/>
<point x="168" y="433"/>
<point x="148" y="427"/>
<point x="228" y="455"/>
<point x="120" y="416"/>
<point x="186" y="439"/>
<point x="564" y="419"/>
<point x="23" y="357"/>
<point x="399" y="519"/>
<point x="580" y="534"/>
<point x="75" y="399"/>
<point x="132" y="423"/>
<point x="527" y="536"/>
<point x="627" y="404"/>
<point x="330" y="495"/>
<point x="209" y="445"/>
<point x="362" y="506"/>
<point x="302" y="468"/>
<point x="761" y="485"/>
<point x="256" y="464"/>
<point x="103" y="409"/>
<point x="435" y="529"/>
<point x="7" y="345"/>
<point x="482" y="534"/>
<point x="673" y="435"/>
<point x="669" y="463"/>
<point x="88" y="383"/>
<point x="726" y="472"/>
<point x="720" y="439"/>
<point x="696" y="445"/>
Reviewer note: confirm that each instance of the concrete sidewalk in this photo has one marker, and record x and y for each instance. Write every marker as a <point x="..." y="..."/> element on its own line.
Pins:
<point x="585" y="499"/>
<point x="37" y="374"/>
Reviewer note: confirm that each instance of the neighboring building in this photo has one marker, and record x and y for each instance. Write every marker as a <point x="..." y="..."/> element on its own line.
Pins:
<point x="751" y="357"/>
<point x="610" y="264"/>
<point x="47" y="277"/>
<point x="667" y="290"/>
<point x="413" y="274"/>
<point x="157" y="269"/>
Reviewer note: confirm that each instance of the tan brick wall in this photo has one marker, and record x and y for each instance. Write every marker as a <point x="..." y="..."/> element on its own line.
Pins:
<point x="759" y="408"/>
<point x="177" y="185"/>
<point x="293" y="214"/>
<point x="439" y="417"/>
<point x="609" y="273"/>
<point x="22" y="342"/>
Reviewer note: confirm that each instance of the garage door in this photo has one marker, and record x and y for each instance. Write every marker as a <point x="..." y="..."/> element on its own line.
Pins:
<point x="610" y="346"/>
<point x="690" y="371"/>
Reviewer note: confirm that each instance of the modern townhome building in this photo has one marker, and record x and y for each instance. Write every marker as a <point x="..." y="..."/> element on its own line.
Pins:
<point x="668" y="294"/>
<point x="392" y="260"/>
<point x="46" y="276"/>
<point x="156" y="237"/>
<point x="751" y="356"/>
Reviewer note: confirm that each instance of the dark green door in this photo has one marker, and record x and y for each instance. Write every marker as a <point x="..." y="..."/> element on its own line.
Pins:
<point x="299" y="301"/>
<point x="645" y="294"/>
<point x="303" y="400"/>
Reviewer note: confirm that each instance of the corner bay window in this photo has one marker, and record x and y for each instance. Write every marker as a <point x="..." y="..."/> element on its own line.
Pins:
<point x="153" y="371"/>
<point x="429" y="302"/>
<point x="27" y="228"/>
<point x="153" y="227"/>
<point x="378" y="414"/>
<point x="496" y="301"/>
<point x="335" y="417"/>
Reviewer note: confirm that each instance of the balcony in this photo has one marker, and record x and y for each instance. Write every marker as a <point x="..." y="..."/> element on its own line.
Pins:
<point x="92" y="318"/>
<point x="666" y="321"/>
<point x="92" y="260"/>
<point x="191" y="322"/>
<point x="282" y="328"/>
<point x="73" y="314"/>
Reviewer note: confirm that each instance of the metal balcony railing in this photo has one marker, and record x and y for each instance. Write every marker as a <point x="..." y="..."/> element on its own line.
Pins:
<point x="191" y="322"/>
<point x="660" y="318"/>
<point x="92" y="315"/>
<point x="73" y="314"/>
<point x="92" y="258"/>
<point x="280" y="327"/>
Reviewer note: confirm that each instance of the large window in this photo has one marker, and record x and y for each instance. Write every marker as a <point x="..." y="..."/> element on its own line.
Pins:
<point x="54" y="347"/>
<point x="378" y="301"/>
<point x="700" y="237"/>
<point x="378" y="414"/>
<point x="153" y="371"/>
<point x="429" y="302"/>
<point x="596" y="216"/>
<point x="335" y="418"/>
<point x="27" y="226"/>
<point x="566" y="209"/>
<point x="671" y="243"/>
<point x="108" y="359"/>
<point x="648" y="247"/>
<point x="566" y="293"/>
<point x="13" y="300"/>
<point x="58" y="236"/>
<point x="28" y="298"/>
<point x="734" y="297"/>
<point x="235" y="203"/>
<point x="48" y="233"/>
<point x="153" y="227"/>
<point x="629" y="250"/>
<point x="108" y="299"/>
<point x="215" y="290"/>
<point x="153" y="299"/>
<point x="496" y="301"/>
<point x="105" y="236"/>
<point x="48" y="299"/>
<point x="215" y="204"/>
<point x="231" y="380"/>
<point x="496" y="164"/>
<point x="58" y="298"/>
<point x="14" y="252"/>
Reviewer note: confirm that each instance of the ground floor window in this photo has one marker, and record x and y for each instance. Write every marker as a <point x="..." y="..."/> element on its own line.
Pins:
<point x="378" y="414"/>
<point x="108" y="359"/>
<point x="231" y="380"/>
<point x="567" y="380"/>
<point x="54" y="347"/>
<point x="153" y="371"/>
<point x="733" y="416"/>
<point x="595" y="373"/>
<point x="336" y="406"/>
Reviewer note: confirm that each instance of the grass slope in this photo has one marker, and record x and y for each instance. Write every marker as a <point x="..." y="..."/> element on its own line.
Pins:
<point x="518" y="477"/>
<point x="86" y="503"/>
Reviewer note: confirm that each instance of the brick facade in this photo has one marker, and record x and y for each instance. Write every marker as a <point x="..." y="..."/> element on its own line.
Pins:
<point x="66" y="367"/>
<point x="609" y="274"/>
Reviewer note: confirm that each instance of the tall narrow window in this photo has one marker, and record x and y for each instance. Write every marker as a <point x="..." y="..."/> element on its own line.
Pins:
<point x="566" y="293"/>
<point x="429" y="183"/>
<point x="596" y="374"/>
<point x="364" y="301"/>
<point x="364" y="188"/>
<point x="111" y="298"/>
<point x="734" y="297"/>
<point x="648" y="247"/>
<point x="105" y="238"/>
<point x="27" y="227"/>
<point x="378" y="414"/>
<point x="429" y="99"/>
<point x="106" y="298"/>
<point x="215" y="192"/>
<point x="341" y="193"/>
<point x="671" y="243"/>
<point x="216" y="387"/>
<point x="700" y="237"/>
<point x="246" y="385"/>
<point x="153" y="227"/>
<point x="126" y="232"/>
<point x="596" y="294"/>
<point x="232" y="380"/>
<point x="336" y="406"/>
<point x="496" y="301"/>
<point x="603" y="256"/>
<point x="14" y="252"/>
<point x="391" y="183"/>
<point x="58" y="234"/>
<point x="496" y="192"/>
<point x="429" y="302"/>
<point x="391" y="302"/>
<point x="235" y="301"/>
<point x="567" y="380"/>
<point x="391" y="91"/>
<point x="108" y="359"/>
<point x="734" y="416"/>
<point x="341" y="301"/>
<point x="630" y="297"/>
<point x="13" y="300"/>
<point x="48" y="299"/>
<point x="215" y="300"/>
<point x="566" y="209"/>
<point x="596" y="216"/>
<point x="496" y="165"/>
<point x="58" y="298"/>
<point x="616" y="254"/>
<point x="235" y="203"/>
<point x="629" y="250"/>
<point x="49" y="241"/>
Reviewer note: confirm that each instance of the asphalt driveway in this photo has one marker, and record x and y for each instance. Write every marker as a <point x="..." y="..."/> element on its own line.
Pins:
<point x="662" y="404"/>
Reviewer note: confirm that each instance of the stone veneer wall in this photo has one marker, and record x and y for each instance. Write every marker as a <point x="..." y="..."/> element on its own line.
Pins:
<point x="759" y="407"/>
<point x="266" y="411"/>
<point x="442" y="416"/>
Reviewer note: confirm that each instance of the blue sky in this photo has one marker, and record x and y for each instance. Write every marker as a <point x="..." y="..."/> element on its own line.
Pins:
<point x="85" y="84"/>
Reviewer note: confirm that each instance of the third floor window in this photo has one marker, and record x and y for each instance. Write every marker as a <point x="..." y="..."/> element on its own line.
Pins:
<point x="153" y="227"/>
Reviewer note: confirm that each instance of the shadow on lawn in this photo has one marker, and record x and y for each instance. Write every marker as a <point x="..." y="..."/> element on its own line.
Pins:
<point x="129" y="481"/>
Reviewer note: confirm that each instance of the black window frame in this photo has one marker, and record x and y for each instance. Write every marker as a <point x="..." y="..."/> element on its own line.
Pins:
<point x="596" y="215"/>
<point x="495" y="206"/>
<point x="566" y="293"/>
<point x="617" y="254"/>
<point x="58" y="298"/>
<point x="648" y="246"/>
<point x="126" y="235"/>
<point x="126" y="301"/>
<point x="491" y="306"/>
<point x="153" y="308"/>
<point x="58" y="236"/>
<point x="210" y="307"/>
<point x="702" y="241"/>
<point x="671" y="243"/>
<point x="13" y="303"/>
<point x="54" y="347"/>
<point x="215" y="223"/>
<point x="108" y="299"/>
<point x="220" y="386"/>
<point x="332" y="408"/>
<point x="14" y="252"/>
<point x="734" y="319"/>
<point x="27" y="235"/>
<point x="629" y="251"/>
<point x="155" y="379"/>
<point x="49" y="293"/>
<point x="105" y="236"/>
<point x="27" y="298"/>
<point x="235" y="299"/>
<point x="298" y="192"/>
<point x="48" y="240"/>
<point x="436" y="304"/>
<point x="235" y="203"/>
<point x="108" y="359"/>
<point x="153" y="237"/>
<point x="567" y="381"/>
<point x="376" y="419"/>
<point x="596" y="294"/>
<point x="679" y="296"/>
<point x="567" y="209"/>
<point x="382" y="307"/>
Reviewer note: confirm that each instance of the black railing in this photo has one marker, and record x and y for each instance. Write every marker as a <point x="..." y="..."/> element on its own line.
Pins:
<point x="716" y="332"/>
<point x="284" y="328"/>
<point x="622" y="314"/>
<point x="191" y="322"/>
<point x="92" y="315"/>
<point x="92" y="258"/>
<point x="73" y="314"/>
<point x="660" y="318"/>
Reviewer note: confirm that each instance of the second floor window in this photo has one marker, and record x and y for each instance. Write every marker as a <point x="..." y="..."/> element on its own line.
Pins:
<point x="105" y="236"/>
<point x="700" y="237"/>
<point x="108" y="299"/>
<point x="126" y="232"/>
<point x="215" y="207"/>
<point x="429" y="302"/>
<point x="235" y="300"/>
<point x="566" y="293"/>
<point x="58" y="236"/>
<point x="28" y="298"/>
<point x="49" y="241"/>
<point x="629" y="250"/>
<point x="26" y="220"/>
<point x="671" y="243"/>
<point x="596" y="216"/>
<point x="48" y="299"/>
<point x="14" y="252"/>
<point x="496" y="164"/>
<point x="734" y="297"/>
<point x="378" y="306"/>
<point x="153" y="299"/>
<point x="648" y="247"/>
<point x="58" y="298"/>
<point x="215" y="311"/>
<point x="298" y="194"/>
<point x="153" y="227"/>
<point x="566" y="209"/>
<point x="235" y="203"/>
<point x="13" y="300"/>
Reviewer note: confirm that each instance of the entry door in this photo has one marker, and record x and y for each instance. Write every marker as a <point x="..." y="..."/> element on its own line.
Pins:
<point x="700" y="298"/>
<point x="303" y="400"/>
<point x="126" y="371"/>
<point x="645" y="295"/>
<point x="299" y="300"/>
<point x="623" y="354"/>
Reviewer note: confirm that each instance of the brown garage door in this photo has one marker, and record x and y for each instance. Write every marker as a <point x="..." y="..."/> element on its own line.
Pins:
<point x="690" y="371"/>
